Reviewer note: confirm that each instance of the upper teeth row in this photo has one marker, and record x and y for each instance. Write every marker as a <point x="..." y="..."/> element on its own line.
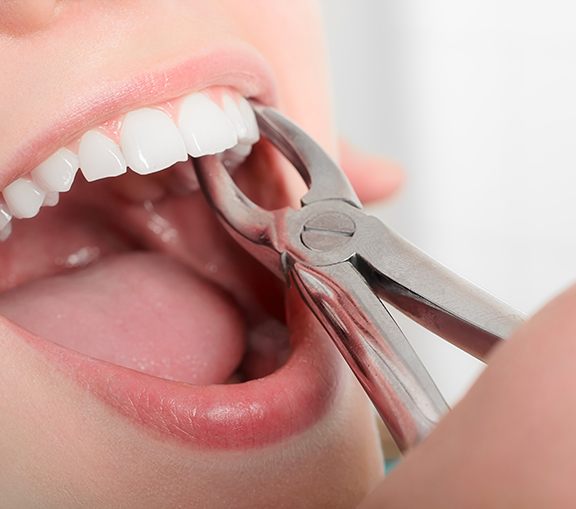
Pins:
<point x="148" y="140"/>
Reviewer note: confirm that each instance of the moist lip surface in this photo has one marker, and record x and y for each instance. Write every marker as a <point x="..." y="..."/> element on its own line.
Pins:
<point x="134" y="335"/>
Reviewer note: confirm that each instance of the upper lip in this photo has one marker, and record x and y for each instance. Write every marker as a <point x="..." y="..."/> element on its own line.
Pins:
<point x="236" y="65"/>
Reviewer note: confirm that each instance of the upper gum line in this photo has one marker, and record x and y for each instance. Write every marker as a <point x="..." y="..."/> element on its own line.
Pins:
<point x="146" y="139"/>
<point x="111" y="128"/>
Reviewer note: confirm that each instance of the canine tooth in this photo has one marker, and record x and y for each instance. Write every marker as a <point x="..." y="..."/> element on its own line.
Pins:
<point x="204" y="126"/>
<point x="253" y="133"/>
<point x="24" y="198"/>
<point x="57" y="172"/>
<point x="51" y="199"/>
<point x="150" y="141"/>
<point x="231" y="109"/>
<point x="100" y="157"/>
<point x="5" y="232"/>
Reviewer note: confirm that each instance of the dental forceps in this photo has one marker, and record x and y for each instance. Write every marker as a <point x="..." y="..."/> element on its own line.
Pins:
<point x="346" y="265"/>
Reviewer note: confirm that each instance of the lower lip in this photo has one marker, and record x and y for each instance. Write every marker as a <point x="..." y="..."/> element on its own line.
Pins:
<point x="240" y="416"/>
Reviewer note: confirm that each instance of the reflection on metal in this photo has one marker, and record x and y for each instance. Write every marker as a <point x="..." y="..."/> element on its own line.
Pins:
<point x="346" y="266"/>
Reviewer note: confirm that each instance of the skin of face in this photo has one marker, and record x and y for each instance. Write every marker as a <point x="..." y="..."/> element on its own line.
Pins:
<point x="59" y="445"/>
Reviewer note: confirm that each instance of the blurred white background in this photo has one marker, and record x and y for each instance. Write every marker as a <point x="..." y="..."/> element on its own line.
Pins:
<point x="477" y="100"/>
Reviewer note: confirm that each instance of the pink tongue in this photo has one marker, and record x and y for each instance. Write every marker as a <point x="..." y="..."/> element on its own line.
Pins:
<point x="142" y="311"/>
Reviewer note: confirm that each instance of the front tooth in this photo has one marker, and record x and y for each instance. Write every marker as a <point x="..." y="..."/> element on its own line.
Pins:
<point x="23" y="198"/>
<point x="51" y="199"/>
<point x="233" y="112"/>
<point x="242" y="150"/>
<point x="253" y="133"/>
<point x="57" y="172"/>
<point x="204" y="126"/>
<point x="236" y="155"/>
<point x="151" y="141"/>
<point x="100" y="157"/>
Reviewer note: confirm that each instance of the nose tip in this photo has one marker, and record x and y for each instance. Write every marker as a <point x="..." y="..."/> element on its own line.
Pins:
<point x="21" y="16"/>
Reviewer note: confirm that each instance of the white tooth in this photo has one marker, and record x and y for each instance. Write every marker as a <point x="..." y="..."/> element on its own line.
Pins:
<point x="57" y="172"/>
<point x="242" y="150"/>
<point x="236" y="155"/>
<point x="253" y="133"/>
<point x="24" y="198"/>
<point x="150" y="141"/>
<point x="233" y="112"/>
<point x="204" y="126"/>
<point x="51" y="199"/>
<point x="5" y="232"/>
<point x="5" y="216"/>
<point x="100" y="157"/>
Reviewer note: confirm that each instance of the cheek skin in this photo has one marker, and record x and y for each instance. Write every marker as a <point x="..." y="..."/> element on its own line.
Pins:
<point x="62" y="448"/>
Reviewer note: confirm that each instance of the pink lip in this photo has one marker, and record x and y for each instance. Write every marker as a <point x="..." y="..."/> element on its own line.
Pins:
<point x="240" y="416"/>
<point x="235" y="65"/>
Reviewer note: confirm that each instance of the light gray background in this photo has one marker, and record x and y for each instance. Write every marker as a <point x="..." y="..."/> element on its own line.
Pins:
<point x="476" y="99"/>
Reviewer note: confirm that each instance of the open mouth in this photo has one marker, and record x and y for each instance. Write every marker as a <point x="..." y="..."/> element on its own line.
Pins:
<point x="115" y="267"/>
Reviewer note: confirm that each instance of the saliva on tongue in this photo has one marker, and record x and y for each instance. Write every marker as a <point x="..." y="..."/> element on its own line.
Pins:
<point x="140" y="310"/>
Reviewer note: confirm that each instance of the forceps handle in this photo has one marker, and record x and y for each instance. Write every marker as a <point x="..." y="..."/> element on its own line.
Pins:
<point x="345" y="295"/>
<point x="432" y="295"/>
<point x="374" y="347"/>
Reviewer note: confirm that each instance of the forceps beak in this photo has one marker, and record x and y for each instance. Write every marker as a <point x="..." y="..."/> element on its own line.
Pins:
<point x="324" y="179"/>
<point x="253" y="227"/>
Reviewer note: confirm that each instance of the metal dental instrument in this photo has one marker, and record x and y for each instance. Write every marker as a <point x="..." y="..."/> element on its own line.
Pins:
<point x="346" y="264"/>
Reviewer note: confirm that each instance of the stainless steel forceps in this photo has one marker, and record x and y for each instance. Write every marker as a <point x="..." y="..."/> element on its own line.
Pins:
<point x="345" y="263"/>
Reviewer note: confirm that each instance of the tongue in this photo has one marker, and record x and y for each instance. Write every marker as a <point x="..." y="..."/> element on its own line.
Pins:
<point x="142" y="311"/>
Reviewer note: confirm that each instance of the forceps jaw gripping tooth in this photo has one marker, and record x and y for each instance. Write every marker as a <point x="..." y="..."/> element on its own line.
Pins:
<point x="344" y="264"/>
